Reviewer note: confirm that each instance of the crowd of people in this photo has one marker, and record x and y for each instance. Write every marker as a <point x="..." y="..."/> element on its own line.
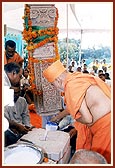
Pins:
<point x="100" y="69"/>
<point x="85" y="96"/>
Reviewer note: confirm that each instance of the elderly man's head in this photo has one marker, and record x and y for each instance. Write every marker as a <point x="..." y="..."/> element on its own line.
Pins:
<point x="83" y="156"/>
<point x="55" y="74"/>
<point x="14" y="72"/>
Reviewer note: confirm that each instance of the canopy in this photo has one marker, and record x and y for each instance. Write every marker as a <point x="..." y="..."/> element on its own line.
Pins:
<point x="90" y="17"/>
<point x="85" y="15"/>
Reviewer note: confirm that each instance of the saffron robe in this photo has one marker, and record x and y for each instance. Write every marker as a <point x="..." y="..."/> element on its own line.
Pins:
<point x="75" y="88"/>
<point x="35" y="119"/>
<point x="16" y="58"/>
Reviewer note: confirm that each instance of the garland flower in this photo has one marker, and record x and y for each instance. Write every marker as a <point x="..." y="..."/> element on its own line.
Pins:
<point x="35" y="37"/>
<point x="37" y="34"/>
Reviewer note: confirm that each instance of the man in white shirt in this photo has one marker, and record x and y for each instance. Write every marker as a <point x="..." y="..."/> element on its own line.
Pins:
<point x="12" y="76"/>
<point x="18" y="114"/>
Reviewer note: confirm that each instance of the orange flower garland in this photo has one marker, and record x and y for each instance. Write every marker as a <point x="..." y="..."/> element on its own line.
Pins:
<point x="29" y="35"/>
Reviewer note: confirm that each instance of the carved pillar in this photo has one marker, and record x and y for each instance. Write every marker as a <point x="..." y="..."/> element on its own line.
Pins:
<point x="43" y="17"/>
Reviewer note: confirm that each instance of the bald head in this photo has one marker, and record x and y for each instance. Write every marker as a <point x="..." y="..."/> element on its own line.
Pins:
<point x="83" y="156"/>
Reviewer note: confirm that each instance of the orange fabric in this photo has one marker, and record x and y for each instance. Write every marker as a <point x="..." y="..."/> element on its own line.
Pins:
<point x="96" y="137"/>
<point x="76" y="85"/>
<point x="35" y="119"/>
<point x="31" y="107"/>
<point x="101" y="131"/>
<point x="16" y="58"/>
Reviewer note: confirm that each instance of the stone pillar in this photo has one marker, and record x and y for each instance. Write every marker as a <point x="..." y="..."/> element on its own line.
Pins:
<point x="50" y="101"/>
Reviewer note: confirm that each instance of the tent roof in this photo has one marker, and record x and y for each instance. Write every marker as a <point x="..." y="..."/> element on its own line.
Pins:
<point x="91" y="15"/>
<point x="95" y="18"/>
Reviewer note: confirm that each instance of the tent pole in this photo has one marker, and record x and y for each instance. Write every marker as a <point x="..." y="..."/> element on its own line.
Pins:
<point x="80" y="47"/>
<point x="67" y="37"/>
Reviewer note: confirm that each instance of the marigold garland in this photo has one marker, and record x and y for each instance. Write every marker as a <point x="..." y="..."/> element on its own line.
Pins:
<point x="30" y="35"/>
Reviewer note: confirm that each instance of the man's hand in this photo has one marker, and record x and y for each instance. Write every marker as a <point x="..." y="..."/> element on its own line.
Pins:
<point x="72" y="132"/>
<point x="22" y="129"/>
<point x="55" y="119"/>
<point x="30" y="128"/>
<point x="59" y="116"/>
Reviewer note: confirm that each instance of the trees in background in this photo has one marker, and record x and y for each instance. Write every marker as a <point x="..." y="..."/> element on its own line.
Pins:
<point x="100" y="52"/>
<point x="89" y="54"/>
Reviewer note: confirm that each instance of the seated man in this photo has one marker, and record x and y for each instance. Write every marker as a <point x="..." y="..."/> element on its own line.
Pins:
<point x="18" y="117"/>
<point x="103" y="77"/>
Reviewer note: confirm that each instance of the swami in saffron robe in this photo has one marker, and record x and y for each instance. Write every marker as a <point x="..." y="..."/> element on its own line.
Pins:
<point x="98" y="136"/>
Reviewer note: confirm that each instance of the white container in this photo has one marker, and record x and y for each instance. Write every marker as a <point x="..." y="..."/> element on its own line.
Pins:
<point x="51" y="126"/>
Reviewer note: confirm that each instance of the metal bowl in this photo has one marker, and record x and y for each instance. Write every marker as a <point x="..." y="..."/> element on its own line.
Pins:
<point x="24" y="154"/>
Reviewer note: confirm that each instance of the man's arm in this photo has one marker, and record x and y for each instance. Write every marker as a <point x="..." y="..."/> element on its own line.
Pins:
<point x="59" y="116"/>
<point x="20" y="128"/>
